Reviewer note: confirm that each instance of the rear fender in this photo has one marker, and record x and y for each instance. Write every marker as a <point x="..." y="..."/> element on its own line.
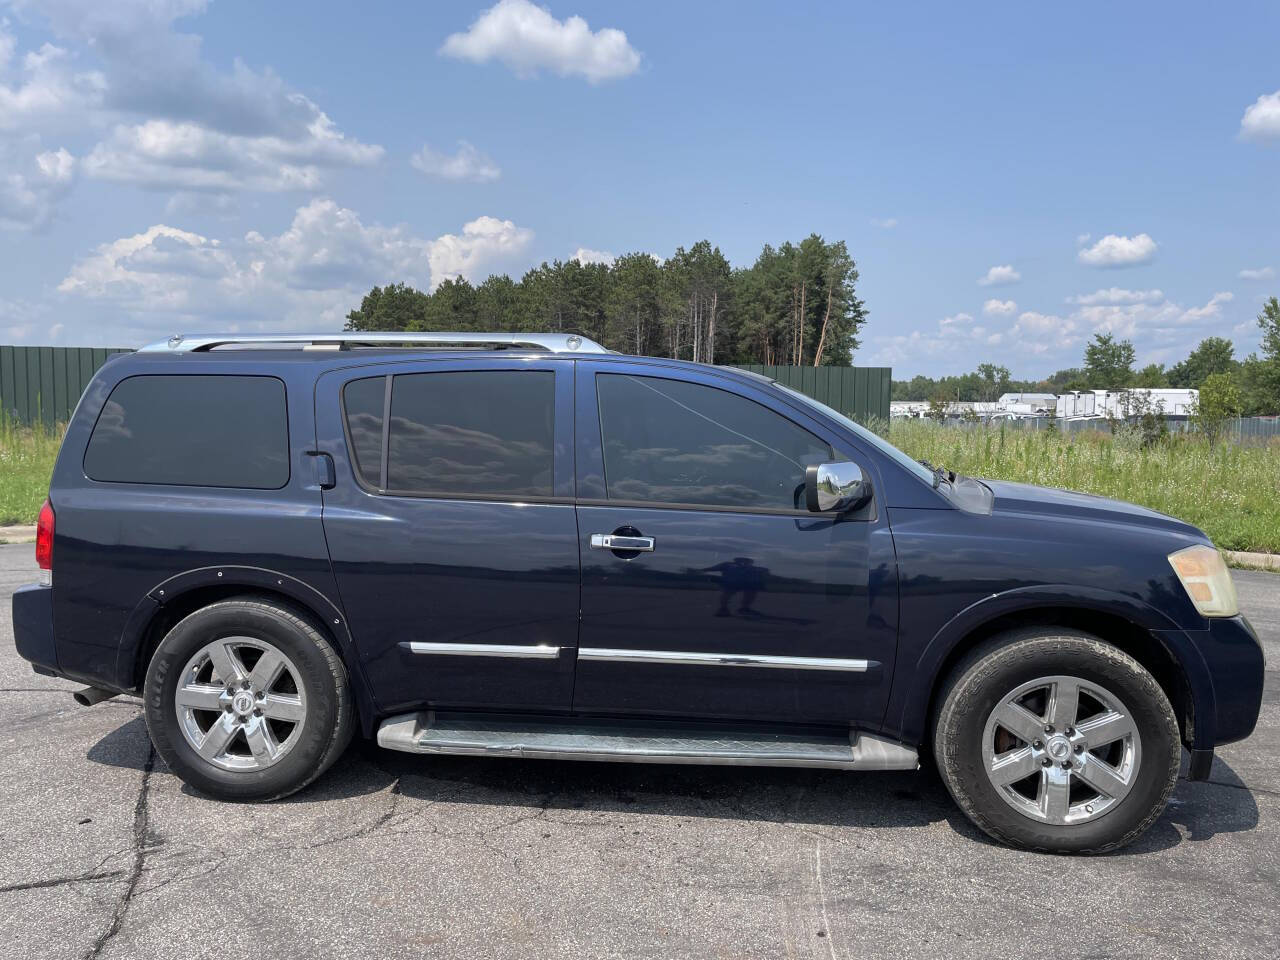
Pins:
<point x="249" y="579"/>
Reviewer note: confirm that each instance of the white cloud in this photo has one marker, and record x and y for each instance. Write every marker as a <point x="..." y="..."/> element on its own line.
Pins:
<point x="1000" y="276"/>
<point x="1116" y="295"/>
<point x="1261" y="120"/>
<point x="1116" y="251"/>
<point x="1210" y="310"/>
<point x="1152" y="324"/>
<point x="32" y="182"/>
<point x="160" y="154"/>
<point x="50" y="95"/>
<point x="175" y="121"/>
<point x="1261" y="273"/>
<point x="585" y="255"/>
<point x="1032" y="322"/>
<point x="888" y="223"/>
<point x="1161" y="330"/>
<point x="527" y="38"/>
<point x="467" y="163"/>
<point x="22" y="321"/>
<point x="309" y="275"/>
<point x="8" y="43"/>
<point x="484" y="241"/>
<point x="999" y="308"/>
<point x="1039" y="333"/>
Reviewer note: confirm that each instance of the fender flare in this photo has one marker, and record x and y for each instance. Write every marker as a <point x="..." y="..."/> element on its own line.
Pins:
<point x="273" y="581"/>
<point x="911" y="715"/>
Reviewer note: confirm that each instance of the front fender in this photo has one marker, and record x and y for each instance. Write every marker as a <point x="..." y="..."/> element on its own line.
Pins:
<point x="908" y="714"/>
<point x="231" y="577"/>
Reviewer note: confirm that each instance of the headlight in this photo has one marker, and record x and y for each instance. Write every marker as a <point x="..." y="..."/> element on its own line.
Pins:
<point x="1206" y="579"/>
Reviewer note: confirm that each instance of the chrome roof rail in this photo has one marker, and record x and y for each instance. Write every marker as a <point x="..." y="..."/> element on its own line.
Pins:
<point x="550" y="342"/>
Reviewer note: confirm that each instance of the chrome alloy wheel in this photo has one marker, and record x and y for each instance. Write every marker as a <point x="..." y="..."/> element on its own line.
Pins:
<point x="1061" y="750"/>
<point x="240" y="703"/>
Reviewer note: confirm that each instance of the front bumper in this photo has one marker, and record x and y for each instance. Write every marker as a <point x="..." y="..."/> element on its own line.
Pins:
<point x="1225" y="670"/>
<point x="33" y="627"/>
<point x="1233" y="653"/>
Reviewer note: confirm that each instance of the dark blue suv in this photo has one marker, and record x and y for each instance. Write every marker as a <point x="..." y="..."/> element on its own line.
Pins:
<point x="525" y="545"/>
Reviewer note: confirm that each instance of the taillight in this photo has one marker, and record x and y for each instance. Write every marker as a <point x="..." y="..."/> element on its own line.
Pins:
<point x="44" y="538"/>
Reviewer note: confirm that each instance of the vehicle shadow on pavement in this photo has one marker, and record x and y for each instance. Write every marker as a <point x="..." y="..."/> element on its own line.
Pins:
<point x="819" y="798"/>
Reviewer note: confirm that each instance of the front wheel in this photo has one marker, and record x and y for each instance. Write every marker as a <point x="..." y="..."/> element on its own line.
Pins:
<point x="247" y="700"/>
<point x="1053" y="740"/>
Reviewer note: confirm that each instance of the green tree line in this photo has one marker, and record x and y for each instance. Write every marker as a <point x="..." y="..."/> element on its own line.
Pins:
<point x="1108" y="364"/>
<point x="797" y="304"/>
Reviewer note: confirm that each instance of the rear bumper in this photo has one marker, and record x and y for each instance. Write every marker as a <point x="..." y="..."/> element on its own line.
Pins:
<point x="33" y="627"/>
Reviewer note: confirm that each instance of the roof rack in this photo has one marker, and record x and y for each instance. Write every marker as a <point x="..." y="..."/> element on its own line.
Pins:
<point x="550" y="342"/>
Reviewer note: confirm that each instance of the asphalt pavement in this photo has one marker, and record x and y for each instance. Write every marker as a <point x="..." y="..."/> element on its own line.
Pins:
<point x="107" y="854"/>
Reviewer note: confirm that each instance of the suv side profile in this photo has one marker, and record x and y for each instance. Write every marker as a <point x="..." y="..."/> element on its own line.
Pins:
<point x="526" y="545"/>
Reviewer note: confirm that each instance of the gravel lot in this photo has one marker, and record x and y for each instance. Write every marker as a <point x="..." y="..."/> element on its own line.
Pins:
<point x="107" y="854"/>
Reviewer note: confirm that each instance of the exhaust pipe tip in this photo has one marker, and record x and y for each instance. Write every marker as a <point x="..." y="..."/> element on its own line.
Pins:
<point x="92" y="695"/>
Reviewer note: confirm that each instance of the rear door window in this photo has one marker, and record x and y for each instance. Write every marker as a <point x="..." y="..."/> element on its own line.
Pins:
<point x="668" y="441"/>
<point x="210" y="431"/>
<point x="363" y="402"/>
<point x="488" y="433"/>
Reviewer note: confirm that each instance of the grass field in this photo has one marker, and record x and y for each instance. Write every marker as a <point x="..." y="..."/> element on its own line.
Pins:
<point x="1231" y="492"/>
<point x="26" y="462"/>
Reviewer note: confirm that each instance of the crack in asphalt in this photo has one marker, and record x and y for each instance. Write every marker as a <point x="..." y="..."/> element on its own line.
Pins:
<point x="1236" y="786"/>
<point x="90" y="877"/>
<point x="141" y="814"/>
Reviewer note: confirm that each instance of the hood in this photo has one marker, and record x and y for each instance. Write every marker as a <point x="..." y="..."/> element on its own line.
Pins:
<point x="1027" y="499"/>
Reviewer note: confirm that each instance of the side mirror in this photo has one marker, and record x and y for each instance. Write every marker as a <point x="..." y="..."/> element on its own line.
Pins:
<point x="835" y="487"/>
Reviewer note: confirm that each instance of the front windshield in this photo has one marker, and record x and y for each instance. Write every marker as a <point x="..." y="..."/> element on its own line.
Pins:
<point x="880" y="443"/>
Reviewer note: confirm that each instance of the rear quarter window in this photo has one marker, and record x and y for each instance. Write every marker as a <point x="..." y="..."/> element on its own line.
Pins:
<point x="209" y="431"/>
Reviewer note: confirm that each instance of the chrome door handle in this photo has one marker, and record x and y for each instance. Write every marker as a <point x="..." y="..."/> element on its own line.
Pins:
<point x="612" y="541"/>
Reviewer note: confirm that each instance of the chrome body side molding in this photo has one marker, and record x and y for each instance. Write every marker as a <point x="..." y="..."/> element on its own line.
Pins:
<point x="691" y="659"/>
<point x="517" y="650"/>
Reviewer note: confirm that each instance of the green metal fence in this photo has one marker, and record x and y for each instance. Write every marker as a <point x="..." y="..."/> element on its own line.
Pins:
<point x="45" y="383"/>
<point x="858" y="392"/>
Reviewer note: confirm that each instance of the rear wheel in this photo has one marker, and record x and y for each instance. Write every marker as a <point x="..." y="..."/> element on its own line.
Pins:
<point x="1053" y="740"/>
<point x="247" y="700"/>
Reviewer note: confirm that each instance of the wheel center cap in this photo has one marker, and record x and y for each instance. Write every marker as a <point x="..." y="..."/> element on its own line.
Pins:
<point x="1059" y="748"/>
<point x="242" y="703"/>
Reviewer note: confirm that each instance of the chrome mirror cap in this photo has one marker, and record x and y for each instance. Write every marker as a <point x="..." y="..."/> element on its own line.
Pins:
<point x="835" y="487"/>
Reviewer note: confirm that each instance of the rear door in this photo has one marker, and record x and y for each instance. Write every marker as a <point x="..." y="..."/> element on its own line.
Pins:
<point x="451" y="528"/>
<point x="726" y="600"/>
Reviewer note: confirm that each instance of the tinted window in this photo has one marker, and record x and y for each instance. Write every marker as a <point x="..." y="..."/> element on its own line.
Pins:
<point x="675" y="442"/>
<point x="209" y="431"/>
<point x="363" y="402"/>
<point x="486" y="432"/>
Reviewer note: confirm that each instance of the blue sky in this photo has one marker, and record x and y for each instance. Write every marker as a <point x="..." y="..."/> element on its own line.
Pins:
<point x="190" y="165"/>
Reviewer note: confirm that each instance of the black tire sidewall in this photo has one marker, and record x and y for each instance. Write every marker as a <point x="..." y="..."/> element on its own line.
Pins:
<point x="992" y="678"/>
<point x="292" y="637"/>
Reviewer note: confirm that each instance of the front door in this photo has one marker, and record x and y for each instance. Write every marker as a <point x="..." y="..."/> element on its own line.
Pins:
<point x="451" y="528"/>
<point x="706" y="591"/>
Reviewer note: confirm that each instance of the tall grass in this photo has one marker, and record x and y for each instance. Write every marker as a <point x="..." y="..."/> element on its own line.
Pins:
<point x="26" y="463"/>
<point x="1232" y="492"/>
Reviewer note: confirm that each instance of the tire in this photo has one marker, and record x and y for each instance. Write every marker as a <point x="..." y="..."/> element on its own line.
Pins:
<point x="256" y="687"/>
<point x="1137" y="770"/>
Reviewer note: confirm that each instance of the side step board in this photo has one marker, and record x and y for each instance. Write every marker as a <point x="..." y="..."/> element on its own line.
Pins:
<point x="430" y="732"/>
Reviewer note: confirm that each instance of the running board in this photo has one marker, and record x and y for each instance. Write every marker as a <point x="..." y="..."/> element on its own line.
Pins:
<point x="430" y="732"/>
